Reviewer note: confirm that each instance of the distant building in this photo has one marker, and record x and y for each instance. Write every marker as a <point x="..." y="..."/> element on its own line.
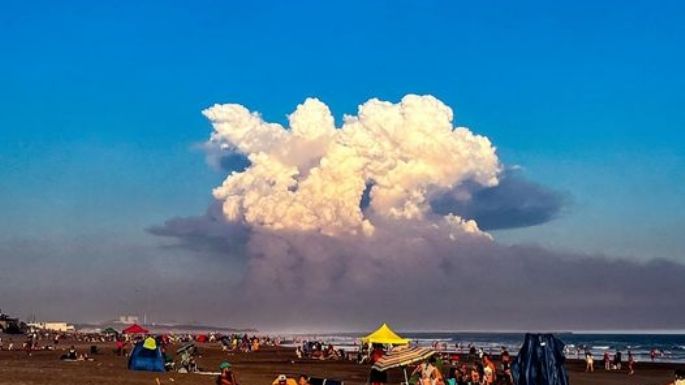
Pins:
<point x="52" y="326"/>
<point x="10" y="325"/>
<point x="129" y="319"/>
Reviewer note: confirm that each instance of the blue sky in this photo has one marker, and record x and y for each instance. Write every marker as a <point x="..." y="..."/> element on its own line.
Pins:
<point x="100" y="103"/>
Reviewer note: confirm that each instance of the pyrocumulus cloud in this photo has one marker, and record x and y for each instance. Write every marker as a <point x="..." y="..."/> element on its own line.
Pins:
<point x="312" y="176"/>
<point x="377" y="219"/>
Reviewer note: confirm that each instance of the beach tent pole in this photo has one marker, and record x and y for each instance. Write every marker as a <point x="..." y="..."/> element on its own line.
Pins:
<point x="406" y="380"/>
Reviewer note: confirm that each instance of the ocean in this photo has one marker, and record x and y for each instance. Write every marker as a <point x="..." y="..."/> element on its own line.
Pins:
<point x="671" y="347"/>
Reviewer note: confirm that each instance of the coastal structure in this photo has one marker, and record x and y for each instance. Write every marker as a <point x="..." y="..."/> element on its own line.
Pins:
<point x="52" y="326"/>
<point x="129" y="319"/>
<point x="10" y="324"/>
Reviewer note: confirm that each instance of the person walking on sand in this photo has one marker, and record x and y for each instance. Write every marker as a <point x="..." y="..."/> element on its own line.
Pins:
<point x="589" y="362"/>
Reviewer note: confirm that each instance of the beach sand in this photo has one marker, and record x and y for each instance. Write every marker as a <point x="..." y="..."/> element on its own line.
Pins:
<point x="259" y="368"/>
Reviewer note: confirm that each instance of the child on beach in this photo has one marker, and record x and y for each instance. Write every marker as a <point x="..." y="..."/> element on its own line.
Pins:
<point x="227" y="377"/>
<point x="282" y="379"/>
<point x="589" y="362"/>
<point x="302" y="380"/>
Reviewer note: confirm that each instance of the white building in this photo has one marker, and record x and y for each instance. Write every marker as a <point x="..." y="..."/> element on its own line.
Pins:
<point x="52" y="326"/>
<point x="128" y="319"/>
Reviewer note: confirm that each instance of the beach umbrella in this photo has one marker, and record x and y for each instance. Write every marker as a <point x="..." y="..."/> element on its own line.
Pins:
<point x="386" y="336"/>
<point x="135" y="329"/>
<point x="401" y="357"/>
<point x="185" y="347"/>
<point x="110" y="330"/>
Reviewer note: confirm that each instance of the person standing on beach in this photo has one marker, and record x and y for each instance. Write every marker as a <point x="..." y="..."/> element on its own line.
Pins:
<point x="589" y="362"/>
<point x="607" y="361"/>
<point x="617" y="360"/>
<point x="428" y="372"/>
<point x="376" y="377"/>
<point x="505" y="358"/>
<point x="119" y="347"/>
<point x="631" y="363"/>
<point x="489" y="370"/>
<point x="29" y="346"/>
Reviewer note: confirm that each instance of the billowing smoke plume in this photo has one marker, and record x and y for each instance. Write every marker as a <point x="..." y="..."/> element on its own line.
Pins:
<point x="378" y="219"/>
<point x="312" y="177"/>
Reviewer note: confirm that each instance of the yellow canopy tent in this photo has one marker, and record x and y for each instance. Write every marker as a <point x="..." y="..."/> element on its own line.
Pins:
<point x="385" y="335"/>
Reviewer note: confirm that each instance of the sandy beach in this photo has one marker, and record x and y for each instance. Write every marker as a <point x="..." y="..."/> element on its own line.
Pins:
<point x="256" y="368"/>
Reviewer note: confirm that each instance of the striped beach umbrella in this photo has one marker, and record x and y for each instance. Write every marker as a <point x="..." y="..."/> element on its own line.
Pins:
<point x="399" y="357"/>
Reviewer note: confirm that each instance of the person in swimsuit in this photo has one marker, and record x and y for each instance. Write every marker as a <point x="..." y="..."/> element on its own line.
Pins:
<point x="589" y="362"/>
<point x="489" y="370"/>
<point x="428" y="373"/>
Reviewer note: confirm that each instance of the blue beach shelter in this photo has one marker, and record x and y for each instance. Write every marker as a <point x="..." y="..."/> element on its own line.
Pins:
<point x="146" y="356"/>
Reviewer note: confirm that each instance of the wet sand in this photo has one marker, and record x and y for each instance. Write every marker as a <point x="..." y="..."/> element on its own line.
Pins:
<point x="258" y="368"/>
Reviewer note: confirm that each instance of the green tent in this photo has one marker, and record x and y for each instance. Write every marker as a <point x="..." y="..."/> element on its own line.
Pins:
<point x="110" y="330"/>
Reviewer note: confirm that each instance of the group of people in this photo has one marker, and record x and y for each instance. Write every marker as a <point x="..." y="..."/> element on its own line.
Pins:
<point x="243" y="343"/>
<point x="228" y="376"/>
<point x="450" y="369"/>
<point x="30" y="344"/>
<point x="319" y="351"/>
<point x="479" y="371"/>
<point x="72" y="354"/>
<point x="610" y="364"/>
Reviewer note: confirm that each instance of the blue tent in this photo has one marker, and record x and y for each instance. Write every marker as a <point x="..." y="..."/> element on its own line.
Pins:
<point x="146" y="356"/>
<point x="540" y="361"/>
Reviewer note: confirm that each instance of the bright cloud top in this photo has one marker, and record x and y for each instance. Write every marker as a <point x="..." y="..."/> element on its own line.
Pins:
<point x="312" y="176"/>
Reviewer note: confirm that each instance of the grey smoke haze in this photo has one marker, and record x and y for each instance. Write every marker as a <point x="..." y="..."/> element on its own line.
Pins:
<point x="514" y="202"/>
<point x="419" y="279"/>
<point x="94" y="279"/>
<point x="301" y="280"/>
<point x="206" y="234"/>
